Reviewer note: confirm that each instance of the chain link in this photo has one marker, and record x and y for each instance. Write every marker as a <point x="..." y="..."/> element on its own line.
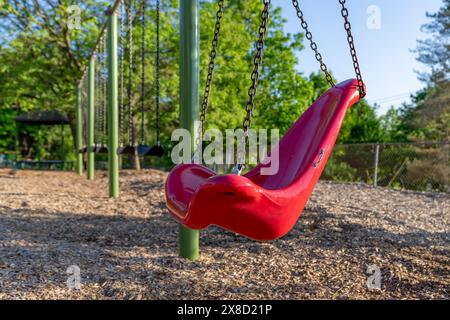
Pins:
<point x="131" y="129"/>
<point x="105" y="92"/>
<point x="209" y="77"/>
<point x="348" y="28"/>
<point x="157" y="70"/>
<point x="257" y="61"/>
<point x="143" y="8"/>
<point x="313" y="44"/>
<point x="97" y="97"/>
<point x="122" y="86"/>
<point x="102" y="88"/>
<point x="84" y="109"/>
<point x="100" y="92"/>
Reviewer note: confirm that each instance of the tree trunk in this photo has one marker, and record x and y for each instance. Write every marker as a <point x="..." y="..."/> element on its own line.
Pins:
<point x="134" y="161"/>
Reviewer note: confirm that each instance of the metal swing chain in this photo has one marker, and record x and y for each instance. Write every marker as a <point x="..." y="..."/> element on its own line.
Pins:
<point x="157" y="70"/>
<point x="80" y="87"/>
<point x="97" y="100"/>
<point x="131" y="133"/>
<point x="257" y="61"/>
<point x="209" y="77"/>
<point x="83" y="109"/>
<point x="85" y="112"/>
<point x="313" y="44"/>
<point x="348" y="28"/>
<point x="100" y="91"/>
<point x="122" y="88"/>
<point x="105" y="92"/>
<point x="143" y="7"/>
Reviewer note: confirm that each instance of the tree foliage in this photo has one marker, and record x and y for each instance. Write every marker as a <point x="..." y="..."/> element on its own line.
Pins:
<point x="429" y="115"/>
<point x="42" y="60"/>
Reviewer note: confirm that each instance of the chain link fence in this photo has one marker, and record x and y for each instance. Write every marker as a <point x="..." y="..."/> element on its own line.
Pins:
<point x="403" y="166"/>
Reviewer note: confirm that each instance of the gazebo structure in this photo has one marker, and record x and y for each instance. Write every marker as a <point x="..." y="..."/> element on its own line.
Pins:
<point x="42" y="118"/>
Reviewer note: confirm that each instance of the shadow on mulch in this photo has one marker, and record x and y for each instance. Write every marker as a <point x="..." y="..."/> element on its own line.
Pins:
<point x="312" y="230"/>
<point x="60" y="235"/>
<point x="143" y="187"/>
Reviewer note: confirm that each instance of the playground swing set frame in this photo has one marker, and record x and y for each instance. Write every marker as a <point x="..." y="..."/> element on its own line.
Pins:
<point x="189" y="103"/>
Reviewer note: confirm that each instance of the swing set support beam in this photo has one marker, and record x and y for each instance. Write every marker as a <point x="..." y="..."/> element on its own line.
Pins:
<point x="113" y="115"/>
<point x="79" y="136"/>
<point x="189" y="99"/>
<point x="91" y="120"/>
<point x="189" y="103"/>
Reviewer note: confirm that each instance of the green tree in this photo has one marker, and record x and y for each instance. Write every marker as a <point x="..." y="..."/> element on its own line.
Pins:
<point x="361" y="125"/>
<point x="41" y="61"/>
<point x="429" y="115"/>
<point x="393" y="126"/>
<point x="283" y="93"/>
<point x="7" y="130"/>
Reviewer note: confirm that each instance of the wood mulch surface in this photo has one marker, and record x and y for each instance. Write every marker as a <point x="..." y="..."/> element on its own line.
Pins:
<point x="126" y="248"/>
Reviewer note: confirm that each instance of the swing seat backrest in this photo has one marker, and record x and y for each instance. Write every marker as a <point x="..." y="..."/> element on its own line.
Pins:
<point x="264" y="207"/>
<point x="310" y="139"/>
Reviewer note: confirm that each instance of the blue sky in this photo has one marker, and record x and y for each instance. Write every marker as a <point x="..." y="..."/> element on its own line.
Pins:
<point x="387" y="63"/>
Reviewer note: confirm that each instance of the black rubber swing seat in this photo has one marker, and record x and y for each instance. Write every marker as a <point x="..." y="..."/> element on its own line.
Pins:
<point x="156" y="151"/>
<point x="127" y="150"/>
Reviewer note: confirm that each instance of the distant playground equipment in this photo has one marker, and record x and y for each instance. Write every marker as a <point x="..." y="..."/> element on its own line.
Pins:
<point x="100" y="116"/>
<point x="100" y="93"/>
<point x="130" y="147"/>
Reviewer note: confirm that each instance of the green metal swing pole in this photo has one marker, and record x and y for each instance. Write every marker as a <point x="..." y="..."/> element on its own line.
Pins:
<point x="189" y="102"/>
<point x="113" y="115"/>
<point x="79" y="135"/>
<point x="91" y="119"/>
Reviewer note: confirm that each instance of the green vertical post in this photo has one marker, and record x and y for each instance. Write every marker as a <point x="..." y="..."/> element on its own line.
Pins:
<point x="79" y="135"/>
<point x="189" y="102"/>
<point x="91" y="119"/>
<point x="113" y="114"/>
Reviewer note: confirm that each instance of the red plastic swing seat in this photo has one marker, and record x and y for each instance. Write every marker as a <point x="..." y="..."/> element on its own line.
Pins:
<point x="264" y="207"/>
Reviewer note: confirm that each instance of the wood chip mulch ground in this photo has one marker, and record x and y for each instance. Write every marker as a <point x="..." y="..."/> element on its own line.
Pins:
<point x="127" y="248"/>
